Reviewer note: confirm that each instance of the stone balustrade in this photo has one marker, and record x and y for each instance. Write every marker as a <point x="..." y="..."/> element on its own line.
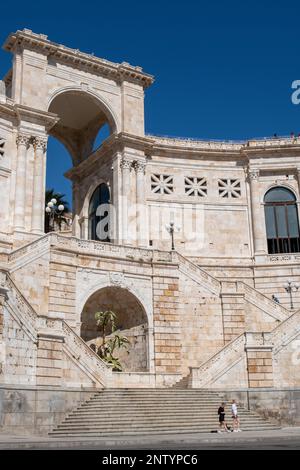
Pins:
<point x="208" y="372"/>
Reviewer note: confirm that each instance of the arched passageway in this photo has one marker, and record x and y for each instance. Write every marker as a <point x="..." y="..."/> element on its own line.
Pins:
<point x="131" y="322"/>
<point x="81" y="118"/>
<point x="84" y="123"/>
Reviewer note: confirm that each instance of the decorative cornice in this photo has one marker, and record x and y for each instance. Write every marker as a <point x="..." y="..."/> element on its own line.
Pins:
<point x="26" y="39"/>
<point x="36" y="116"/>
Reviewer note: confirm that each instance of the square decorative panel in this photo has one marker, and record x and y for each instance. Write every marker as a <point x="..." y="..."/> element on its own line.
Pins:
<point x="195" y="186"/>
<point x="229" y="188"/>
<point x="162" y="184"/>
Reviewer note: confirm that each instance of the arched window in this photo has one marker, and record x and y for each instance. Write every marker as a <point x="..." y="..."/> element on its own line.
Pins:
<point x="100" y="196"/>
<point x="282" y="223"/>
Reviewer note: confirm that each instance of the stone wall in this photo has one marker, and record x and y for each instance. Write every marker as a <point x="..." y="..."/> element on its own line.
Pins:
<point x="35" y="410"/>
<point x="201" y="323"/>
<point x="135" y="356"/>
<point x="19" y="351"/>
<point x="167" y="328"/>
<point x="281" y="405"/>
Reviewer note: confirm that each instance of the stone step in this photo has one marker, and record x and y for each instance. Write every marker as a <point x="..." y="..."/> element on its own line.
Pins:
<point x="144" y="423"/>
<point x="149" y="431"/>
<point x="110" y="415"/>
<point x="155" y="399"/>
<point x="136" y="412"/>
<point x="153" y="410"/>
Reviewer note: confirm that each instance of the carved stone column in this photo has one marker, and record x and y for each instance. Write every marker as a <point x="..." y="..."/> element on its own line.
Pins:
<point x="23" y="141"/>
<point x="126" y="166"/>
<point x="38" y="209"/>
<point x="141" y="213"/>
<point x="258" y="223"/>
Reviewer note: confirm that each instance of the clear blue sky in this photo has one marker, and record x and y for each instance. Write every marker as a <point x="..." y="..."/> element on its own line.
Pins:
<point x="223" y="69"/>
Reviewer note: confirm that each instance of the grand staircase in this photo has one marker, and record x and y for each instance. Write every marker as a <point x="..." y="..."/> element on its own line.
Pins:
<point x="131" y="412"/>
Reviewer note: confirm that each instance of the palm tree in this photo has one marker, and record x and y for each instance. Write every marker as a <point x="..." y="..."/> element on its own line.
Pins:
<point x="58" y="218"/>
<point x="106" y="322"/>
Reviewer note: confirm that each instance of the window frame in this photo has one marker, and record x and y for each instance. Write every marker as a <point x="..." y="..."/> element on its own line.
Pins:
<point x="282" y="245"/>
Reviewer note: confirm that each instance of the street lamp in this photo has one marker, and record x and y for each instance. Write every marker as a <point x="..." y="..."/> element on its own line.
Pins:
<point x="52" y="209"/>
<point x="291" y="287"/>
<point x="171" y="228"/>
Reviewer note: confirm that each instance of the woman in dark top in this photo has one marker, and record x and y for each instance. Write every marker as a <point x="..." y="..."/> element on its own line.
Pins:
<point x="222" y="423"/>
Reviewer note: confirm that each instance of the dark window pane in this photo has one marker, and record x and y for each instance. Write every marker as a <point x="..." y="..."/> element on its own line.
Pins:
<point x="279" y="195"/>
<point x="281" y="221"/>
<point x="270" y="222"/>
<point x="100" y="196"/>
<point x="282" y="224"/>
<point x="293" y="221"/>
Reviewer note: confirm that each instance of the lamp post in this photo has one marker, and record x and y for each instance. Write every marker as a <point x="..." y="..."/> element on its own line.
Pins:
<point x="52" y="209"/>
<point x="291" y="287"/>
<point x="171" y="228"/>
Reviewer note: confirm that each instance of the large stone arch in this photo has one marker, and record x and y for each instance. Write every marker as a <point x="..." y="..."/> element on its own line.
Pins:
<point x="90" y="281"/>
<point x="131" y="321"/>
<point x="82" y="113"/>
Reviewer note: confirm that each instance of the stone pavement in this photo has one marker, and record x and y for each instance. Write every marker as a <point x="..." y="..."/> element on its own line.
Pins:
<point x="286" y="438"/>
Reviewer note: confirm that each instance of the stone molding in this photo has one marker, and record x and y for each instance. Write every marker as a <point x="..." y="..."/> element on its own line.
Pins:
<point x="26" y="39"/>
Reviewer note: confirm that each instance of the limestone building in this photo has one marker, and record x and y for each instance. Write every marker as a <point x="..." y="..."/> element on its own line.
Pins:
<point x="203" y="311"/>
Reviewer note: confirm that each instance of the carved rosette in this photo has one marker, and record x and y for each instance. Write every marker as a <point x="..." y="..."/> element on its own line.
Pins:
<point x="23" y="139"/>
<point x="40" y="143"/>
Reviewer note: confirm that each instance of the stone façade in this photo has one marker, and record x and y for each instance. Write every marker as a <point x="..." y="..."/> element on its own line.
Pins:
<point x="203" y="311"/>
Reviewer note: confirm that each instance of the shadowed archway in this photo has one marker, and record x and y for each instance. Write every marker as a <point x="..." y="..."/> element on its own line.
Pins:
<point x="131" y="322"/>
<point x="81" y="118"/>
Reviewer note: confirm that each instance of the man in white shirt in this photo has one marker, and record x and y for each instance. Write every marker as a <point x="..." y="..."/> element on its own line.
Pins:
<point x="235" y="417"/>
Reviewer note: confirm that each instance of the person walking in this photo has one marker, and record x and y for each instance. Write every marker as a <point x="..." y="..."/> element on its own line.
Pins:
<point x="235" y="417"/>
<point x="222" y="422"/>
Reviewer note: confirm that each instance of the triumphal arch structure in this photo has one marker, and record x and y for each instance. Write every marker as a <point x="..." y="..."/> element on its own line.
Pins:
<point x="219" y="311"/>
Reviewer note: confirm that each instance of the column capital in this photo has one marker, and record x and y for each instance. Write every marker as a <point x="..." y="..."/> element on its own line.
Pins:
<point x="253" y="173"/>
<point x="140" y="166"/>
<point x="40" y="143"/>
<point x="126" y="164"/>
<point x="23" y="139"/>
